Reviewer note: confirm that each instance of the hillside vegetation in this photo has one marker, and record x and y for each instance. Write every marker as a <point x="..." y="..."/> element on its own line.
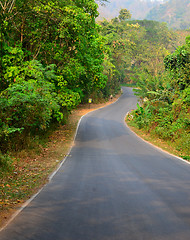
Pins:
<point x="165" y="98"/>
<point x="52" y="60"/>
<point x="55" y="56"/>
<point x="145" y="54"/>
<point x="176" y="13"/>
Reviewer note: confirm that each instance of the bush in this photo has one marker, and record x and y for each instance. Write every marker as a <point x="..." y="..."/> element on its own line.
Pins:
<point x="5" y="162"/>
<point x="26" y="108"/>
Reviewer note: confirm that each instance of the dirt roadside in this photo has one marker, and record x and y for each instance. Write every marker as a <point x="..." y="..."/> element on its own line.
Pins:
<point x="34" y="168"/>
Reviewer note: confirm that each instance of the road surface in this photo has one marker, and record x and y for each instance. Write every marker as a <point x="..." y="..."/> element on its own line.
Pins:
<point x="113" y="186"/>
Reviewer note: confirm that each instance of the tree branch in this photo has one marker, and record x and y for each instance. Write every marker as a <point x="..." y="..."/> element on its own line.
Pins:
<point x="11" y="7"/>
<point x="2" y="5"/>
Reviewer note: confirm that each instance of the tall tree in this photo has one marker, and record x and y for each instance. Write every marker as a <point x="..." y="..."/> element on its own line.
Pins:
<point x="124" y="14"/>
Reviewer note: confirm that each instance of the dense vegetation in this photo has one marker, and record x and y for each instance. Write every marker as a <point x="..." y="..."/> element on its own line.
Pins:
<point x="166" y="100"/>
<point x="52" y="59"/>
<point x="145" y="54"/>
<point x="137" y="46"/>
<point x="55" y="56"/>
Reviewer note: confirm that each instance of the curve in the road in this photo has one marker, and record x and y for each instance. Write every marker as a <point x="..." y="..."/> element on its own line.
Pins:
<point x="114" y="186"/>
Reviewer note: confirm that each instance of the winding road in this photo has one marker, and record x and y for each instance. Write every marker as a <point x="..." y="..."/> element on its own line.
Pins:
<point x="113" y="186"/>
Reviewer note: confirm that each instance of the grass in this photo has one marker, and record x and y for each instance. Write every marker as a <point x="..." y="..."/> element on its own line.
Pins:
<point x="23" y="173"/>
<point x="186" y="157"/>
<point x="168" y="146"/>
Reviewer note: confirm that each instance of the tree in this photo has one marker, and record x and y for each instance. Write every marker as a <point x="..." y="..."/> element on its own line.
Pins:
<point x="178" y="65"/>
<point x="124" y="14"/>
<point x="53" y="50"/>
<point x="102" y="2"/>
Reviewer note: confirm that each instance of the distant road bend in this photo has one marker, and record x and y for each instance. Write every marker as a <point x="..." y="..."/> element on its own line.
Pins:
<point x="114" y="186"/>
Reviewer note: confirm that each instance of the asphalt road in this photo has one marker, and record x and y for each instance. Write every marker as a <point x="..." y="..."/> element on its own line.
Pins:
<point x="113" y="186"/>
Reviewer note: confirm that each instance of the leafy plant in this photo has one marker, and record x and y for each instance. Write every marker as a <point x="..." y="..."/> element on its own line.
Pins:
<point x="5" y="163"/>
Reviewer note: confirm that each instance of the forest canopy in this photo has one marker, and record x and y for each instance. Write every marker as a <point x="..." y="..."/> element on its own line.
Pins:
<point x="52" y="59"/>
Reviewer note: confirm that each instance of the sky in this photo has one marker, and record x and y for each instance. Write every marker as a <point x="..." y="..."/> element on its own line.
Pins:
<point x="138" y="8"/>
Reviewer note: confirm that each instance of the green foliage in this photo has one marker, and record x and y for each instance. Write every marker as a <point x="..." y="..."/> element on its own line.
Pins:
<point x="140" y="52"/>
<point x="142" y="116"/>
<point x="124" y="14"/>
<point x="178" y="59"/>
<point x="155" y="88"/>
<point x="37" y="96"/>
<point x="56" y="32"/>
<point x="169" y="122"/>
<point x="178" y="64"/>
<point x="119" y="39"/>
<point x="5" y="163"/>
<point x="68" y="99"/>
<point x="25" y="108"/>
<point x="136" y="47"/>
<point x="165" y="109"/>
<point x="52" y="59"/>
<point x="186" y="96"/>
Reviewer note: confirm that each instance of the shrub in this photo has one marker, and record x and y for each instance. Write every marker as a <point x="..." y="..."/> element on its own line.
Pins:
<point x="26" y="108"/>
<point x="5" y="162"/>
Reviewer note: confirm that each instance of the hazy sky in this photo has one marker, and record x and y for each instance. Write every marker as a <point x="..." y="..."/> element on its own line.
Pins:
<point x="138" y="8"/>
